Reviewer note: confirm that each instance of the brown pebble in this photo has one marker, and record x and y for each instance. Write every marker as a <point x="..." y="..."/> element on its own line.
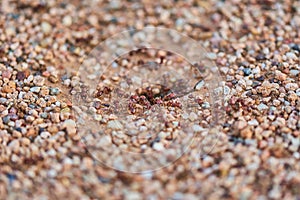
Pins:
<point x="53" y="79"/>
<point x="239" y="125"/>
<point x="21" y="76"/>
<point x="247" y="133"/>
<point x="30" y="132"/>
<point x="6" y="74"/>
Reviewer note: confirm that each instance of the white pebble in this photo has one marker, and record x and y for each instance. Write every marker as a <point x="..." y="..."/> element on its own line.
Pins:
<point x="115" y="124"/>
<point x="158" y="146"/>
<point x="67" y="20"/>
<point x="197" y="128"/>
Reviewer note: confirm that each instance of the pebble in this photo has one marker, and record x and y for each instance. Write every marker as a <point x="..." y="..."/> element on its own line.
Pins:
<point x="240" y="125"/>
<point x="45" y="135"/>
<point x="275" y="192"/>
<point x="198" y="128"/>
<point x="193" y="116"/>
<point x="93" y="20"/>
<point x="247" y="71"/>
<point x="262" y="106"/>
<point x="212" y="56"/>
<point x="67" y="20"/>
<point x="253" y="122"/>
<point x="291" y="55"/>
<point x="35" y="89"/>
<point x="54" y="91"/>
<point x="15" y="158"/>
<point x="291" y="86"/>
<point x="6" y="74"/>
<point x="115" y="4"/>
<point x="55" y="117"/>
<point x="298" y="92"/>
<point x="39" y="80"/>
<point x="46" y="27"/>
<point x="115" y="124"/>
<point x="246" y="133"/>
<point x="180" y="22"/>
<point x="21" y="76"/>
<point x="206" y="105"/>
<point x="158" y="146"/>
<point x="70" y="127"/>
<point x="294" y="72"/>
<point x="98" y="117"/>
<point x="199" y="85"/>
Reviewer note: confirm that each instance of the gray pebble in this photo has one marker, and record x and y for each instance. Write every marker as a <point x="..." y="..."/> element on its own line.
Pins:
<point x="54" y="91"/>
<point x="35" y="89"/>
<point x="262" y="107"/>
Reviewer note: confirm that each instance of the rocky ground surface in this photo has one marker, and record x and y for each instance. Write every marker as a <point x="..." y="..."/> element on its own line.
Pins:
<point x="256" y="45"/>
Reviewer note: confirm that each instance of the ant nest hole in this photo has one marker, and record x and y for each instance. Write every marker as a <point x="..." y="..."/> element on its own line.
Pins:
<point x="149" y="98"/>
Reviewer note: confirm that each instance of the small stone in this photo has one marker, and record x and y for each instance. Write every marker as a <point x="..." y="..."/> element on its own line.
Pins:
<point x="52" y="173"/>
<point x="294" y="72"/>
<point x="158" y="146"/>
<point x="242" y="83"/>
<point x="179" y="22"/>
<point x="53" y="79"/>
<point x="197" y="128"/>
<point x="44" y="91"/>
<point x="224" y="70"/>
<point x="6" y="74"/>
<point x="132" y="195"/>
<point x="45" y="135"/>
<point x="46" y="27"/>
<point x="93" y="20"/>
<point x="291" y="55"/>
<point x="54" y="91"/>
<point x="298" y="92"/>
<point x="296" y="47"/>
<point x="193" y="116"/>
<point x="55" y="117"/>
<point x="115" y="4"/>
<point x="15" y="158"/>
<point x="115" y="124"/>
<point x="67" y="20"/>
<point x="276" y="102"/>
<point x="21" y="76"/>
<point x="212" y="56"/>
<point x="253" y="122"/>
<point x="291" y="86"/>
<point x="280" y="76"/>
<point x="65" y="110"/>
<point x="35" y="89"/>
<point x="262" y="107"/>
<point x="239" y="125"/>
<point x="98" y="117"/>
<point x="260" y="57"/>
<point x="247" y="71"/>
<point x="6" y="89"/>
<point x="10" y="30"/>
<point x="29" y="118"/>
<point x="156" y="91"/>
<point x="247" y="133"/>
<point x="39" y="80"/>
<point x="292" y="97"/>
<point x="206" y="105"/>
<point x="70" y="126"/>
<point x="266" y="134"/>
<point x="275" y="193"/>
<point x="199" y="85"/>
<point x="6" y="119"/>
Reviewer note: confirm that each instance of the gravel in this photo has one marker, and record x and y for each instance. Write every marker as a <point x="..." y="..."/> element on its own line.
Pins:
<point x="256" y="48"/>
